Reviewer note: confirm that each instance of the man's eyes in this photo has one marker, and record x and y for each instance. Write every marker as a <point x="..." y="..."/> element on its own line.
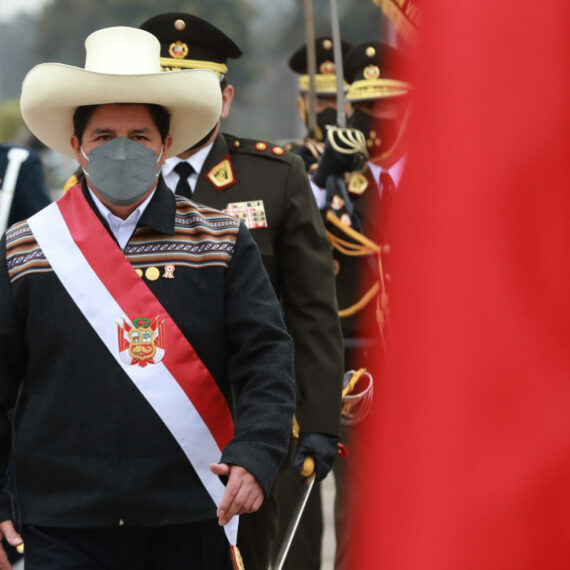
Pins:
<point x="108" y="137"/>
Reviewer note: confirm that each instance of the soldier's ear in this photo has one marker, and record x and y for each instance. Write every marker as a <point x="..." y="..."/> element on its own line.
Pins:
<point x="227" y="98"/>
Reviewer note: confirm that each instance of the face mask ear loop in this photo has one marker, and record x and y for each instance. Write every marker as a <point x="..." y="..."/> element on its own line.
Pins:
<point x="158" y="160"/>
<point x="86" y="158"/>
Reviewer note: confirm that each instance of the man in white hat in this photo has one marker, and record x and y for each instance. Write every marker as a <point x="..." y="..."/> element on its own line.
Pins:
<point x="141" y="343"/>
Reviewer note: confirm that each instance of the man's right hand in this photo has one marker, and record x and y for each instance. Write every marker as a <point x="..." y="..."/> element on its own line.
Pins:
<point x="8" y="532"/>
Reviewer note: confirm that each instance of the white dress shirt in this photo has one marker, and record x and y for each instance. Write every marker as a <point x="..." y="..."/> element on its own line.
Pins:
<point x="196" y="160"/>
<point x="395" y="171"/>
<point x="122" y="229"/>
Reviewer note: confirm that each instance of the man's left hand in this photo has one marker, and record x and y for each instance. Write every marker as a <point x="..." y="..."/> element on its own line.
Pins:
<point x="243" y="493"/>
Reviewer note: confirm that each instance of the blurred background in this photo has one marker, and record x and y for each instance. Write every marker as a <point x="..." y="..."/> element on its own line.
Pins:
<point x="268" y="32"/>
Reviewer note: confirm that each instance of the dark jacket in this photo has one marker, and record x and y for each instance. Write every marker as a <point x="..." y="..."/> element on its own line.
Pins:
<point x="356" y="275"/>
<point x="89" y="449"/>
<point x="30" y="193"/>
<point x="297" y="256"/>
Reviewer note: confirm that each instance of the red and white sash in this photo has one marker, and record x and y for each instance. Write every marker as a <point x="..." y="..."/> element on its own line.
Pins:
<point x="106" y="289"/>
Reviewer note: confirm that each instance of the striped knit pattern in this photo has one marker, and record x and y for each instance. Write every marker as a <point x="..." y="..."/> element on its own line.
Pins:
<point x="203" y="237"/>
<point x="23" y="254"/>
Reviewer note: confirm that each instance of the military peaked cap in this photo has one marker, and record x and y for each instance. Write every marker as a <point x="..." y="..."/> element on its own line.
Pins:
<point x="325" y="79"/>
<point x="188" y="42"/>
<point x="375" y="70"/>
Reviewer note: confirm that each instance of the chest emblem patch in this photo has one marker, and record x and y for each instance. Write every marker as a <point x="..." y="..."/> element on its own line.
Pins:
<point x="252" y="214"/>
<point x="221" y="175"/>
<point x="143" y="343"/>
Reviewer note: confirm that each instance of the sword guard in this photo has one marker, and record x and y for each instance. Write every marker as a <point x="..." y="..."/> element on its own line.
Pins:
<point x="308" y="467"/>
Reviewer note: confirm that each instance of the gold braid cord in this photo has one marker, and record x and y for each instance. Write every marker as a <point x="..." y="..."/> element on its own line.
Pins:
<point x="363" y="247"/>
<point x="350" y="387"/>
<point x="352" y="382"/>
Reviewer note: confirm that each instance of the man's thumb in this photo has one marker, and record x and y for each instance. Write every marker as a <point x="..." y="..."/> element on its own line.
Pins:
<point x="10" y="534"/>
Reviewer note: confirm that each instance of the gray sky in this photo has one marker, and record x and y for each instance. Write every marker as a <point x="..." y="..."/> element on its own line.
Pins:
<point x="9" y="8"/>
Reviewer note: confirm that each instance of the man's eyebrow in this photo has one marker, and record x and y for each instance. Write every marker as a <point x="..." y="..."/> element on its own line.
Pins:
<point x="99" y="130"/>
<point x="106" y="130"/>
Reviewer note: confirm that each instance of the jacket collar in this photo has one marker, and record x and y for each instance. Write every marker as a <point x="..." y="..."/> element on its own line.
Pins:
<point x="158" y="215"/>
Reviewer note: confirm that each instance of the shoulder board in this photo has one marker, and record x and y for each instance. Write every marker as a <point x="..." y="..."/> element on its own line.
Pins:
<point x="258" y="148"/>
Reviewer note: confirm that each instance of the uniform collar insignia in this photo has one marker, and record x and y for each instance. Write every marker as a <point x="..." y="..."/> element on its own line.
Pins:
<point x="221" y="175"/>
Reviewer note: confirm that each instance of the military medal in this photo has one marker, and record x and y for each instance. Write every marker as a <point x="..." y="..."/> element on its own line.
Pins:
<point x="169" y="271"/>
<point x="152" y="273"/>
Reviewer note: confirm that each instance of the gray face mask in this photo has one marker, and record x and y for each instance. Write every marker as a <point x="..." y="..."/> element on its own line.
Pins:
<point x="122" y="170"/>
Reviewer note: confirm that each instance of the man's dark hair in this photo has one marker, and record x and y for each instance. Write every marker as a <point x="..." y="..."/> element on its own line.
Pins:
<point x="160" y="117"/>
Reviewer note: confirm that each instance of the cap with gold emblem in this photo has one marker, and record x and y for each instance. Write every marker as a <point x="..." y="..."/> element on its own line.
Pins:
<point x="325" y="78"/>
<point x="188" y="42"/>
<point x="375" y="70"/>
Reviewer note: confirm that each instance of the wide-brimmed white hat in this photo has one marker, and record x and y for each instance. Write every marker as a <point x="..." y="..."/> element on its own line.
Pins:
<point x="122" y="65"/>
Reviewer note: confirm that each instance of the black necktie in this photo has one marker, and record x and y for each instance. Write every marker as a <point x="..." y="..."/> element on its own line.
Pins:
<point x="184" y="170"/>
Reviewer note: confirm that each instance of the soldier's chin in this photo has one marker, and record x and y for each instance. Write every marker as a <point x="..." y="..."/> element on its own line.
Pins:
<point x="203" y="140"/>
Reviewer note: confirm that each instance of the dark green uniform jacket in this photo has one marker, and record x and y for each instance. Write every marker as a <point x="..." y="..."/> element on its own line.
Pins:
<point x="297" y="256"/>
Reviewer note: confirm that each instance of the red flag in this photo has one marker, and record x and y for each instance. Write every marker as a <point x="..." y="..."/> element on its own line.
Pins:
<point x="468" y="448"/>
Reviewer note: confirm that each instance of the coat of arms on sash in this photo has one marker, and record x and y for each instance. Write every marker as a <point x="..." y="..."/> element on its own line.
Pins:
<point x="143" y="343"/>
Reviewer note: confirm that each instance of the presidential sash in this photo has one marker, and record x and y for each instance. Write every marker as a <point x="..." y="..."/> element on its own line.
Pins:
<point x="115" y="301"/>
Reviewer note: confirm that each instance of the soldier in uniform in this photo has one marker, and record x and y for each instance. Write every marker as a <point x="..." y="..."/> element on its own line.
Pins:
<point x="311" y="147"/>
<point x="30" y="193"/>
<point x="357" y="217"/>
<point x="379" y="105"/>
<point x="267" y="187"/>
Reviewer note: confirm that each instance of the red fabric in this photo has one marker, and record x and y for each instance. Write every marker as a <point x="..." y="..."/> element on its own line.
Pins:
<point x="137" y="300"/>
<point x="468" y="448"/>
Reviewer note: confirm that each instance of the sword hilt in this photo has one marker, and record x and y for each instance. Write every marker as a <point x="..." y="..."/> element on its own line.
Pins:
<point x="308" y="467"/>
